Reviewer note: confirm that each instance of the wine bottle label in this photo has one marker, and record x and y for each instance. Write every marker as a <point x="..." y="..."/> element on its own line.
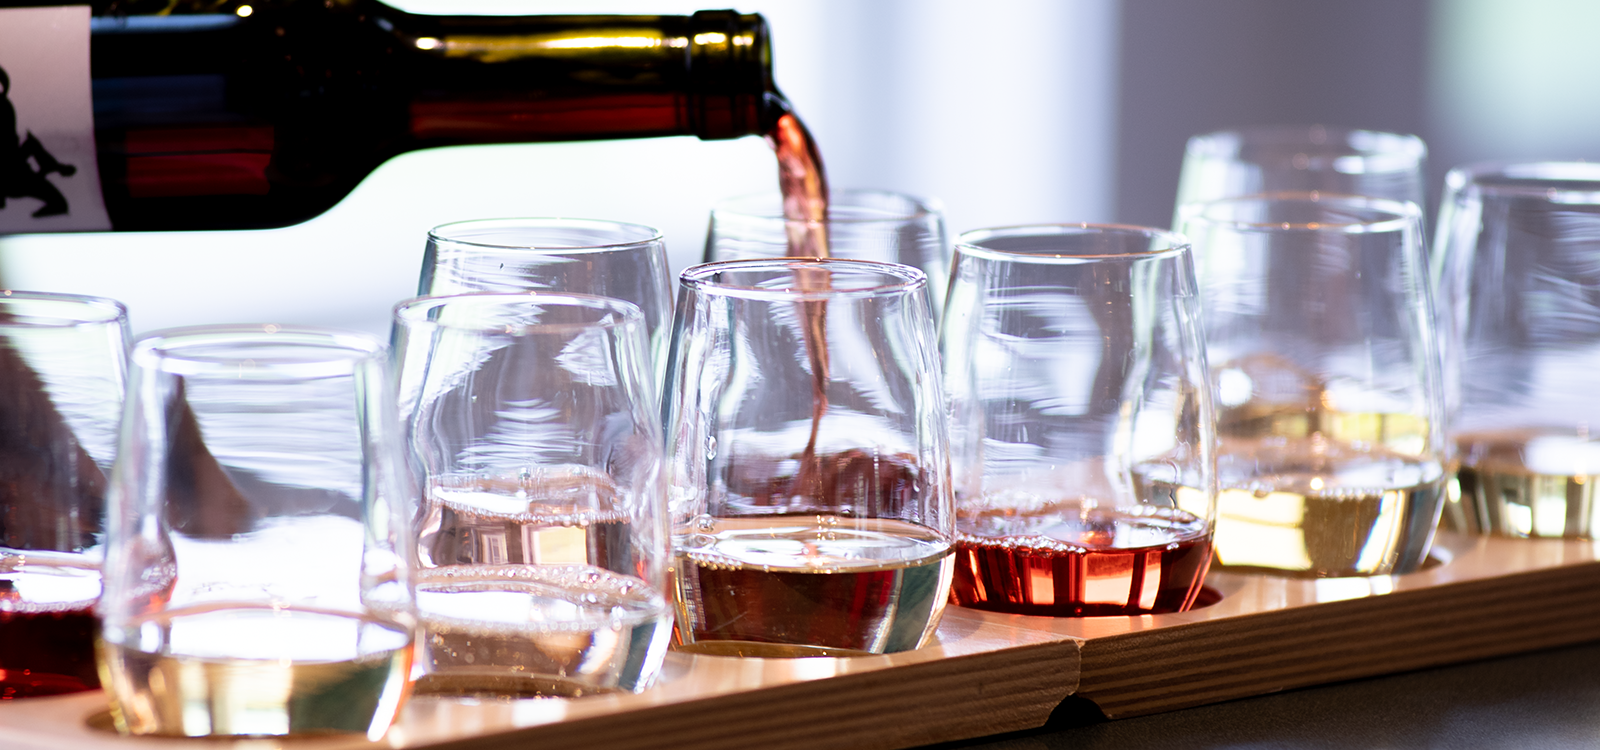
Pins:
<point x="49" y="181"/>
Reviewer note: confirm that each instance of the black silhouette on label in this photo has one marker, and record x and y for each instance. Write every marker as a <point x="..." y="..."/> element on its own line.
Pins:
<point x="25" y="163"/>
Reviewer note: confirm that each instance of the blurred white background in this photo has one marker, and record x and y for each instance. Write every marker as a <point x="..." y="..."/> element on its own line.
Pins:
<point x="1009" y="111"/>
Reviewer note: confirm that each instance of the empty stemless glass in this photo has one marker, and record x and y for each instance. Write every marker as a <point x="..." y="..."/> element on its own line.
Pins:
<point x="574" y="256"/>
<point x="862" y="225"/>
<point x="1277" y="158"/>
<point x="542" y="544"/>
<point x="1331" y="456"/>
<point x="62" y="371"/>
<point x="1520" y="285"/>
<point x="255" y="573"/>
<point x="809" y="465"/>
<point x="1083" y="443"/>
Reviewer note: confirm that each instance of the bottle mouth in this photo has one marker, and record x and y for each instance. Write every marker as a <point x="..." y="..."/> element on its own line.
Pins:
<point x="730" y="75"/>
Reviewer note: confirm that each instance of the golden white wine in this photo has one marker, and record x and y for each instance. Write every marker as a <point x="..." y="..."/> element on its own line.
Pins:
<point x="1326" y="508"/>
<point x="255" y="670"/>
<point x="1525" y="484"/>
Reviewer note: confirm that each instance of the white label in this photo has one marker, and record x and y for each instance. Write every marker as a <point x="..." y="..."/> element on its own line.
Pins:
<point x="49" y="181"/>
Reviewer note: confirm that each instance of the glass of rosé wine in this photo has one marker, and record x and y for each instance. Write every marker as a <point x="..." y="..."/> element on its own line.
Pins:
<point x="808" y="461"/>
<point x="541" y="554"/>
<point x="1330" y="410"/>
<point x="62" y="372"/>
<point x="1082" y="436"/>
<point x="256" y="538"/>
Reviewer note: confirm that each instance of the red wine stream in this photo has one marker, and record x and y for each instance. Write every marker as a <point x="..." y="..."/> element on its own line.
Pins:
<point x="804" y="186"/>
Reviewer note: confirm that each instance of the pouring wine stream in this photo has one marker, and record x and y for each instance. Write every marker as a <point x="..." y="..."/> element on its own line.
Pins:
<point x="804" y="185"/>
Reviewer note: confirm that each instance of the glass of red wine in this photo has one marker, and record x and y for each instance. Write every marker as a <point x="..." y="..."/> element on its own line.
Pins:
<point x="861" y="225"/>
<point x="541" y="542"/>
<point x="576" y="256"/>
<point x="808" y="461"/>
<point x="62" y="370"/>
<point x="1082" y="436"/>
<point x="255" y="577"/>
<point x="1331" y="456"/>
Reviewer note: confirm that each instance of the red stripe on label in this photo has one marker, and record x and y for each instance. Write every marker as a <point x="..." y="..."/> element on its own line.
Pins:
<point x="193" y="139"/>
<point x="642" y="114"/>
<point x="173" y="175"/>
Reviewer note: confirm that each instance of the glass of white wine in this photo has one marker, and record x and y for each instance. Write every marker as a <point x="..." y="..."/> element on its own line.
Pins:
<point x="541" y="541"/>
<point x="1516" y="268"/>
<point x="255" y="577"/>
<point x="809" y="469"/>
<point x="1331" y="458"/>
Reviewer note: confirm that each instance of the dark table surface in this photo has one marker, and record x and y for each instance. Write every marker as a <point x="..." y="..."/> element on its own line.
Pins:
<point x="1540" y="700"/>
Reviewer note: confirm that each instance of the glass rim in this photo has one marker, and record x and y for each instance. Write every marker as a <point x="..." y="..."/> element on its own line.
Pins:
<point x="1558" y="181"/>
<point x="647" y="234"/>
<point x="921" y="208"/>
<point x="171" y="350"/>
<point x="94" y="311"/>
<point x="413" y="312"/>
<point x="1394" y="215"/>
<point x="966" y="242"/>
<point x="1399" y="151"/>
<point x="903" y="279"/>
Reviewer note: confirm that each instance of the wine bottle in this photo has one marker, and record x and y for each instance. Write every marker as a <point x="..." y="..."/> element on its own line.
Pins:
<point x="232" y="114"/>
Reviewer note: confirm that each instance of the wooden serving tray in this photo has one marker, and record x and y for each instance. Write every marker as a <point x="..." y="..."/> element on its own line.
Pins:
<point x="990" y="673"/>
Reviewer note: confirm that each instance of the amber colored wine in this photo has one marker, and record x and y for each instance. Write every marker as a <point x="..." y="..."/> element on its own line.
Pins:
<point x="809" y="585"/>
<point x="564" y="630"/>
<point x="1071" y="559"/>
<point x="255" y="670"/>
<point x="1527" y="485"/>
<point x="47" y="651"/>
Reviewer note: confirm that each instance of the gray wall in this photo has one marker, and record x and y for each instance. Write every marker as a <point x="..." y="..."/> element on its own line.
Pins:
<point x="1193" y="66"/>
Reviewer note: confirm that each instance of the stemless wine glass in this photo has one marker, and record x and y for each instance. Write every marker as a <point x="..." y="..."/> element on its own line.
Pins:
<point x="1517" y="273"/>
<point x="542" y="550"/>
<point x="1329" y="417"/>
<point x="62" y="368"/>
<point x="862" y="225"/>
<point x="575" y="256"/>
<point x="809" y="490"/>
<point x="1083" y="444"/>
<point x="255" y="576"/>
<point x="1276" y="158"/>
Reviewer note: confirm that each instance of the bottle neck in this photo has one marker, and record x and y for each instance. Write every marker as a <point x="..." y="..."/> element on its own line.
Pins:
<point x="492" y="78"/>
